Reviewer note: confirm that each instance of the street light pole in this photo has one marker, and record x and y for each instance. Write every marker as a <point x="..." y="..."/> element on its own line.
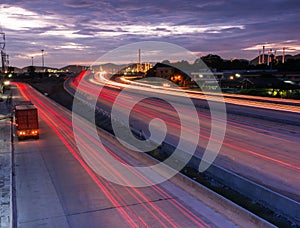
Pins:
<point x="31" y="60"/>
<point x="43" y="63"/>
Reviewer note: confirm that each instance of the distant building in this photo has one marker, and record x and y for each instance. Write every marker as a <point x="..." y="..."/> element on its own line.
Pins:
<point x="136" y="69"/>
<point x="164" y="72"/>
<point x="207" y="78"/>
<point x="170" y="73"/>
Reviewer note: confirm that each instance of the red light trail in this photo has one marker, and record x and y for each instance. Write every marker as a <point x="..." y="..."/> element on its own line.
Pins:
<point x="244" y="144"/>
<point x="59" y="120"/>
<point x="153" y="109"/>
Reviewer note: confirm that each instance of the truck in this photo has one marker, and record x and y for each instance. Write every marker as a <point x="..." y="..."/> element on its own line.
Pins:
<point x="27" y="123"/>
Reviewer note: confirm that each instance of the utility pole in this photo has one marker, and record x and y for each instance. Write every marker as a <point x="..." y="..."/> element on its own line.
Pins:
<point x="283" y="55"/>
<point x="3" y="60"/>
<point x="263" y="56"/>
<point x="2" y="47"/>
<point x="139" y="64"/>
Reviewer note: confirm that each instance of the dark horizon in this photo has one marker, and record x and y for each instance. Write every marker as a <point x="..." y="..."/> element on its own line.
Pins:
<point x="81" y="65"/>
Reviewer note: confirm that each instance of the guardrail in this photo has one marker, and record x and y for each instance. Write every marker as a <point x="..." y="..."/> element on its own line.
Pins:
<point x="272" y="200"/>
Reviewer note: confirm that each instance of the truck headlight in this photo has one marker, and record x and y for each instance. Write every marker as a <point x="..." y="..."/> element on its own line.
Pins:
<point x="6" y="83"/>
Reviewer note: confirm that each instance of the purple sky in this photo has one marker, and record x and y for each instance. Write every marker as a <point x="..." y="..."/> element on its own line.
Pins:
<point x="80" y="31"/>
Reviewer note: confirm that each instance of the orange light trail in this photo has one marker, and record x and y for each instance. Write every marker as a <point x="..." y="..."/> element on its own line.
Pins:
<point x="265" y="103"/>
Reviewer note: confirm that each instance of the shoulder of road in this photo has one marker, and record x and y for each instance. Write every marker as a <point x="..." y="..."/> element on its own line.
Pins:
<point x="5" y="163"/>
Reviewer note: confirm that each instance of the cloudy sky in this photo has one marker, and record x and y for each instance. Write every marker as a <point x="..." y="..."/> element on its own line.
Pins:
<point x="80" y="31"/>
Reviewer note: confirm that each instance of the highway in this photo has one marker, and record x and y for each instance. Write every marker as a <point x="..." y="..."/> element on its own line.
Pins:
<point x="56" y="186"/>
<point x="271" y="103"/>
<point x="264" y="151"/>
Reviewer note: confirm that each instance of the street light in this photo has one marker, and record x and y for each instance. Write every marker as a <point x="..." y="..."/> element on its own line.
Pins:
<point x="43" y="59"/>
<point x="31" y="60"/>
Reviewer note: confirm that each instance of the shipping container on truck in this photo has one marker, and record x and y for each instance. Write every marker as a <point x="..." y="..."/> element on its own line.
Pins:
<point x="27" y="122"/>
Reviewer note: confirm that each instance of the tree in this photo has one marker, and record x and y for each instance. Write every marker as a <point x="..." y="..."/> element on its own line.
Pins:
<point x="31" y="70"/>
<point x="213" y="61"/>
<point x="167" y="62"/>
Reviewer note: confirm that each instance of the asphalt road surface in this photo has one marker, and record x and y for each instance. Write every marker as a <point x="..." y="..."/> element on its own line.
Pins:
<point x="55" y="186"/>
<point x="266" y="152"/>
